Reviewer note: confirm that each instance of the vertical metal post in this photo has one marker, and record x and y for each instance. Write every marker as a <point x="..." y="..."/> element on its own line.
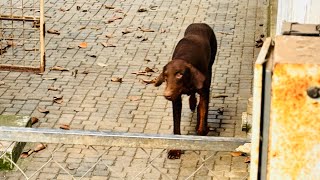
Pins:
<point x="42" y="36"/>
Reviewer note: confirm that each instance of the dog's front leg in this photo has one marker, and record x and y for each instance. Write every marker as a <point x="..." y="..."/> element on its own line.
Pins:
<point x="202" y="113"/>
<point x="176" y="106"/>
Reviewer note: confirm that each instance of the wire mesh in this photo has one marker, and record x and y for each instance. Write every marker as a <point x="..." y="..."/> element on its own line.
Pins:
<point x="20" y="34"/>
<point x="62" y="161"/>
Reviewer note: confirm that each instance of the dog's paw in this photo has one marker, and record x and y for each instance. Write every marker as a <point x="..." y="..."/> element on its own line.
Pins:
<point x="174" y="154"/>
<point x="202" y="132"/>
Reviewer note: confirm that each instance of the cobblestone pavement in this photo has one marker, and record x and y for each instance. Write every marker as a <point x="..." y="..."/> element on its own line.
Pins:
<point x="91" y="101"/>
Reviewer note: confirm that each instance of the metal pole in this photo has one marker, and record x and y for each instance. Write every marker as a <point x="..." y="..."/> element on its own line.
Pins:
<point x="135" y="140"/>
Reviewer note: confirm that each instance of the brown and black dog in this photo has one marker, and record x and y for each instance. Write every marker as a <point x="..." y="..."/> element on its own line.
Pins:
<point x="190" y="72"/>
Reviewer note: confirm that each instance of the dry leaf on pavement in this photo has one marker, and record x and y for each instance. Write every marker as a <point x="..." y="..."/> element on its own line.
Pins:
<point x="43" y="110"/>
<point x="134" y="98"/>
<point x="109" y="7"/>
<point x="102" y="64"/>
<point x="52" y="31"/>
<point x="58" y="68"/>
<point x="237" y="153"/>
<point x="151" y="70"/>
<point x="58" y="99"/>
<point x="116" y="79"/>
<point x="34" y="120"/>
<point x="83" y="45"/>
<point x="145" y="29"/>
<point x="142" y="9"/>
<point x="52" y="88"/>
<point x="105" y="44"/>
<point x="126" y="31"/>
<point x="26" y="154"/>
<point x="65" y="127"/>
<point x="49" y="78"/>
<point x="109" y="36"/>
<point x="152" y="81"/>
<point x="247" y="159"/>
<point x="40" y="147"/>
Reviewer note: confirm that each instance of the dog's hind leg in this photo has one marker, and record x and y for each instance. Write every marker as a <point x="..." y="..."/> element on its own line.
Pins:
<point x="193" y="102"/>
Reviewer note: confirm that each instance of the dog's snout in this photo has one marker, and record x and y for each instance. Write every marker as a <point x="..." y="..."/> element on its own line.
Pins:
<point x="168" y="95"/>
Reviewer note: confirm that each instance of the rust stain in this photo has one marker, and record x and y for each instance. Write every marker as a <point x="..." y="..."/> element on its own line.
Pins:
<point x="294" y="124"/>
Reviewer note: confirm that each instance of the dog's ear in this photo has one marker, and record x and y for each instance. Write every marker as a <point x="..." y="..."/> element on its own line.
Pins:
<point x="197" y="78"/>
<point x="160" y="79"/>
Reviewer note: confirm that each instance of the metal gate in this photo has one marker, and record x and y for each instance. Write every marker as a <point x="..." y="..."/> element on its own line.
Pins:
<point x="22" y="35"/>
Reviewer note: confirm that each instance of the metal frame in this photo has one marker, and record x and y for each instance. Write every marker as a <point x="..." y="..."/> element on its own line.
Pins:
<point x="11" y="17"/>
<point x="133" y="140"/>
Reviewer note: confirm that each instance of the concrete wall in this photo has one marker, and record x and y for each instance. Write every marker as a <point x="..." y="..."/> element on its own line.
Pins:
<point x="301" y="11"/>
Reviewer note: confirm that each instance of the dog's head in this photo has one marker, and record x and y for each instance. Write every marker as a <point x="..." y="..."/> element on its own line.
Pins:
<point x="180" y="77"/>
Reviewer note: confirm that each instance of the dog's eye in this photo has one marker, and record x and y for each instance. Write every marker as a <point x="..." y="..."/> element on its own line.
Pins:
<point x="179" y="75"/>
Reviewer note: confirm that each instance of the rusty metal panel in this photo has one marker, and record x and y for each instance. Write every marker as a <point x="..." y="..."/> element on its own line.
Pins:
<point x="294" y="136"/>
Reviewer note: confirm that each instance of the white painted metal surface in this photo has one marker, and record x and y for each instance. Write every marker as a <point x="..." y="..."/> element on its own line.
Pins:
<point x="301" y="11"/>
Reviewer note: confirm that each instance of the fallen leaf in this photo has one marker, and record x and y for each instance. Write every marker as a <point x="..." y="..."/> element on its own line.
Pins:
<point x="119" y="11"/>
<point x="49" y="78"/>
<point x="139" y="36"/>
<point x="70" y="47"/>
<point x="113" y="19"/>
<point x="40" y="147"/>
<point x="78" y="8"/>
<point x="116" y="79"/>
<point x="52" y="88"/>
<point x="126" y="31"/>
<point x="144" y="39"/>
<point x="36" y="24"/>
<point x="34" y="120"/>
<point x="109" y="36"/>
<point x="52" y="31"/>
<point x="220" y="95"/>
<point x="65" y="127"/>
<point x="134" y="98"/>
<point x="83" y="27"/>
<point x="142" y="9"/>
<point x="11" y="43"/>
<point x="220" y="110"/>
<point x="58" y="99"/>
<point x="149" y="70"/>
<point x="92" y="55"/>
<point x="247" y="159"/>
<point x="105" y="44"/>
<point x="58" y="68"/>
<point x="26" y="154"/>
<point x="85" y="72"/>
<point x="153" y="7"/>
<point x="109" y="7"/>
<point x="43" y="110"/>
<point x="145" y="30"/>
<point x="74" y="73"/>
<point x="31" y="49"/>
<point x="83" y="45"/>
<point x="62" y="9"/>
<point x="102" y="64"/>
<point x="148" y="60"/>
<point x="85" y="10"/>
<point x="142" y="73"/>
<point x="237" y="153"/>
<point x="163" y="30"/>
<point x="149" y="81"/>
<point x="95" y="28"/>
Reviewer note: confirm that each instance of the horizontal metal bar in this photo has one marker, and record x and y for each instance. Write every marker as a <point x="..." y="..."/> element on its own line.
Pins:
<point x="187" y="142"/>
<point x="19" y="68"/>
<point x="19" y="18"/>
